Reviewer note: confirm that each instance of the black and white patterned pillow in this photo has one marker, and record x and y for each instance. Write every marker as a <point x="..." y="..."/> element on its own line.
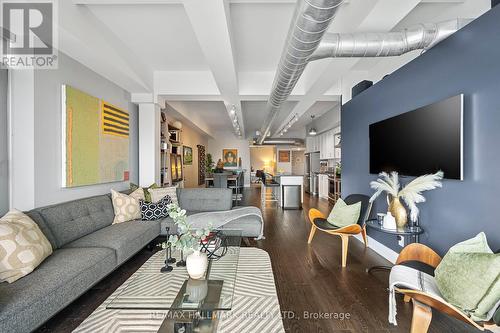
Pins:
<point x="155" y="210"/>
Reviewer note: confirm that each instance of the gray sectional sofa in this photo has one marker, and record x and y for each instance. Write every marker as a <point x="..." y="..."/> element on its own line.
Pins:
<point x="87" y="247"/>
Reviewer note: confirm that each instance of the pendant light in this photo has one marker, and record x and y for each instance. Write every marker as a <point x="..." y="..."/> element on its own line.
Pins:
<point x="312" y="130"/>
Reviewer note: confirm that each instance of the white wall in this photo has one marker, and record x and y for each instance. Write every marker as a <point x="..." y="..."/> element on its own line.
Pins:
<point x="22" y="139"/>
<point x="149" y="144"/>
<point x="4" y="152"/>
<point x="298" y="162"/>
<point x="283" y="167"/>
<point x="227" y="140"/>
<point x="48" y="111"/>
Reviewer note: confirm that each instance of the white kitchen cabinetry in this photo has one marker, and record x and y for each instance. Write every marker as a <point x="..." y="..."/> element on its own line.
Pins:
<point x="322" y="146"/>
<point x="329" y="145"/>
<point x="312" y="144"/>
<point x="309" y="144"/>
<point x="337" y="151"/>
<point x="323" y="186"/>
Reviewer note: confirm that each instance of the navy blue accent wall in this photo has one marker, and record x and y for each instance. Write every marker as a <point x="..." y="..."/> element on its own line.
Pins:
<point x="468" y="62"/>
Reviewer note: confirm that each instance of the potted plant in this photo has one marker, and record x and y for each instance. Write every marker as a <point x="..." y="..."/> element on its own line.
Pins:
<point x="411" y="194"/>
<point x="188" y="242"/>
<point x="209" y="164"/>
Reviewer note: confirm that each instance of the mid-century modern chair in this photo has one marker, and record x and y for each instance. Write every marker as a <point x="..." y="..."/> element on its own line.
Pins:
<point x="423" y="258"/>
<point x="319" y="222"/>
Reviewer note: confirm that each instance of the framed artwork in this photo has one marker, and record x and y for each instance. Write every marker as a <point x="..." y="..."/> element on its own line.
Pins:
<point x="230" y="158"/>
<point x="95" y="140"/>
<point x="188" y="155"/>
<point x="284" y="156"/>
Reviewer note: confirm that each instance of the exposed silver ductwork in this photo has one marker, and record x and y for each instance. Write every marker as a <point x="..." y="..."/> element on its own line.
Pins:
<point x="305" y="42"/>
<point x="373" y="44"/>
<point x="309" y="23"/>
<point x="283" y="142"/>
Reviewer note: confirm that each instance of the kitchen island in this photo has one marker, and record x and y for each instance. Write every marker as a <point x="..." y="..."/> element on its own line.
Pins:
<point x="285" y="180"/>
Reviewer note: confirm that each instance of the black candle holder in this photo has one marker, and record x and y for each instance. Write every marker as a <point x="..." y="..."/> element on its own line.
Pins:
<point x="167" y="268"/>
<point x="168" y="256"/>
<point x="182" y="262"/>
<point x="169" y="259"/>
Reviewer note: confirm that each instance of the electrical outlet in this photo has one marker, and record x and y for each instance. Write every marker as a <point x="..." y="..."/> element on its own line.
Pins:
<point x="401" y="241"/>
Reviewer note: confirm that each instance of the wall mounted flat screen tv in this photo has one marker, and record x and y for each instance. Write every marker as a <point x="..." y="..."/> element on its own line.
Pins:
<point x="422" y="141"/>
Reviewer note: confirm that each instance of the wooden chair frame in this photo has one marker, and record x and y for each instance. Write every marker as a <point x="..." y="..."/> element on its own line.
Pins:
<point x="423" y="302"/>
<point x="344" y="233"/>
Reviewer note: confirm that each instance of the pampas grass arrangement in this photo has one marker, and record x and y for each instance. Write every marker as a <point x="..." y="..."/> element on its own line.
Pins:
<point x="411" y="194"/>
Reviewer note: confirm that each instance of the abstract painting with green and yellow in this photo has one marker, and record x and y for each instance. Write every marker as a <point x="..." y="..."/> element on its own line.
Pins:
<point x="96" y="140"/>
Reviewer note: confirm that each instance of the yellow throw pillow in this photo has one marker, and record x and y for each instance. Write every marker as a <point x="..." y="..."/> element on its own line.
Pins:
<point x="343" y="214"/>
<point x="23" y="246"/>
<point x="127" y="207"/>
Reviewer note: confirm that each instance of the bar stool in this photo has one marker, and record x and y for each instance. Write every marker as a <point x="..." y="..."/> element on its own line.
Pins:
<point x="264" y="195"/>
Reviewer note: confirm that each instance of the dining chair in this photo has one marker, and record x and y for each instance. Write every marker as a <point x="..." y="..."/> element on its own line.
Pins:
<point x="220" y="180"/>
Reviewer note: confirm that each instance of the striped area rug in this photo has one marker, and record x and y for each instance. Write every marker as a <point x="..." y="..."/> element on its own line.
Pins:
<point x="255" y="306"/>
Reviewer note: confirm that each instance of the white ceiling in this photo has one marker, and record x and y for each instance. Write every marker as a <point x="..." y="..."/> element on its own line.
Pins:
<point x="257" y="30"/>
<point x="202" y="56"/>
<point x="209" y="111"/>
<point x="158" y="34"/>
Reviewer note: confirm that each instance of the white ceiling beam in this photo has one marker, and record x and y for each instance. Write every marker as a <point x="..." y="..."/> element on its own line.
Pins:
<point x="127" y="2"/>
<point x="179" y="2"/>
<point x="211" y="24"/>
<point x="86" y="39"/>
<point x="185" y="83"/>
<point x="176" y="2"/>
<point x="358" y="16"/>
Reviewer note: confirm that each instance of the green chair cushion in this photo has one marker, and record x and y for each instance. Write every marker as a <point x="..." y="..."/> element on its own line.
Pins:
<point x="469" y="278"/>
<point x="343" y="214"/>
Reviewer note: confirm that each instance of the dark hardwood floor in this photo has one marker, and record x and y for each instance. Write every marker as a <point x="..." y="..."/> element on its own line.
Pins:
<point x="309" y="280"/>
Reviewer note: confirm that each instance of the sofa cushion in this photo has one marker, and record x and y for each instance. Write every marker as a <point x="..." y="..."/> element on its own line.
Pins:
<point x="23" y="246"/>
<point x="38" y="219"/>
<point x="159" y="193"/>
<point x="125" y="238"/>
<point x="61" y="278"/>
<point x="126" y="206"/>
<point x="71" y="220"/>
<point x="155" y="211"/>
<point x="205" y="199"/>
<point x="468" y="277"/>
<point x="419" y="266"/>
<point x="250" y="226"/>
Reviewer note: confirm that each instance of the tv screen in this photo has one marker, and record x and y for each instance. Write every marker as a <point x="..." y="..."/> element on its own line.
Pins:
<point x="421" y="141"/>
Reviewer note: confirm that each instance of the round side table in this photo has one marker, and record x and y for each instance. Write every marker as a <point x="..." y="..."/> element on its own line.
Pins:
<point x="408" y="232"/>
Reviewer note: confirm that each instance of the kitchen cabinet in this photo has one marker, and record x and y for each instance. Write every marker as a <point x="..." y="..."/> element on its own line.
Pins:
<point x="336" y="143"/>
<point x="329" y="145"/>
<point x="326" y="144"/>
<point x="309" y="144"/>
<point x="323" y="186"/>
<point x="322" y="146"/>
<point x="312" y="144"/>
